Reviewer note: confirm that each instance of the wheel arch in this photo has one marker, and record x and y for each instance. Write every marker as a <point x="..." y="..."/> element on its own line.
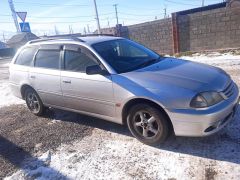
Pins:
<point x="134" y="101"/>
<point x="23" y="89"/>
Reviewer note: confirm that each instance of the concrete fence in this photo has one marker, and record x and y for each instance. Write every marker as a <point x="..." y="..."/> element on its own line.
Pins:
<point x="208" y="28"/>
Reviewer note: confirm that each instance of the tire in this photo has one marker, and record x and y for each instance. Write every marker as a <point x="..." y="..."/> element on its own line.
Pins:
<point x="148" y="124"/>
<point x="34" y="103"/>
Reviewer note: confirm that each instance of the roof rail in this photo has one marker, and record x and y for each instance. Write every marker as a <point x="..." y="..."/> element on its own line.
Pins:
<point x="56" y="38"/>
<point x="96" y="35"/>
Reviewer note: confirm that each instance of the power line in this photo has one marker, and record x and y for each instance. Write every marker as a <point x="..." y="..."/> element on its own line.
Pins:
<point x="136" y="8"/>
<point x="136" y="19"/>
<point x="130" y="14"/>
<point x="62" y="16"/>
<point x="62" y="22"/>
<point x="174" y="2"/>
<point x="105" y="14"/>
<point x="54" y="4"/>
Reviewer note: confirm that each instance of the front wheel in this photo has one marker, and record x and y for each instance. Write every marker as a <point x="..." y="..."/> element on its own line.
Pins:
<point x="148" y="124"/>
<point x="34" y="102"/>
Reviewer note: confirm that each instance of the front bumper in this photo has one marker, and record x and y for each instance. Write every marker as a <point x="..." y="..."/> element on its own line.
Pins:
<point x="204" y="122"/>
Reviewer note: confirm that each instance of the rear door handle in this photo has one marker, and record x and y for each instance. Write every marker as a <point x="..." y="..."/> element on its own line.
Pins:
<point x="67" y="82"/>
<point x="32" y="77"/>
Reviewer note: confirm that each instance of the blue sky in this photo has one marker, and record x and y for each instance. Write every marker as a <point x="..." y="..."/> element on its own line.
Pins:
<point x="45" y="15"/>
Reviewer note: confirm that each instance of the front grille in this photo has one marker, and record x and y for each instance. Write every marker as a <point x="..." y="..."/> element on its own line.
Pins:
<point x="229" y="90"/>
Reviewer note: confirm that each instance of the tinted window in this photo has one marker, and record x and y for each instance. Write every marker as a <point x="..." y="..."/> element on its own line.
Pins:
<point x="26" y="56"/>
<point x="48" y="59"/>
<point x="78" y="60"/>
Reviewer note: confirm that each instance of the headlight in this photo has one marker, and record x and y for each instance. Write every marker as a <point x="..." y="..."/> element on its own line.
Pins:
<point x="206" y="99"/>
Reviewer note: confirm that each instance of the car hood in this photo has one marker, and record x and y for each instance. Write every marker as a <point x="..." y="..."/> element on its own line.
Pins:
<point x="172" y="72"/>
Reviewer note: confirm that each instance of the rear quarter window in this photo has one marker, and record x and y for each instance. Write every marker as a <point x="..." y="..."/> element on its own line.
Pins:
<point x="25" y="57"/>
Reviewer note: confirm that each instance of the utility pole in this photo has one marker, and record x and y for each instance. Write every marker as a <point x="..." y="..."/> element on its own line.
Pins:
<point x="88" y="29"/>
<point x="70" y="29"/>
<point x="165" y="12"/>
<point x="116" y="11"/>
<point x="4" y="40"/>
<point x="84" y="31"/>
<point x="56" y="30"/>
<point x="108" y="23"/>
<point x="97" y="18"/>
<point x="203" y="3"/>
<point x="10" y="2"/>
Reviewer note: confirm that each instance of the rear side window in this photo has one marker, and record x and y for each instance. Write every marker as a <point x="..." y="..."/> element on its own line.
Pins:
<point x="48" y="59"/>
<point x="78" y="60"/>
<point x="26" y="56"/>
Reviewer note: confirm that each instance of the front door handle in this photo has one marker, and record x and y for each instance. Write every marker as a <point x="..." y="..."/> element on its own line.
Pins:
<point x="32" y="77"/>
<point x="67" y="82"/>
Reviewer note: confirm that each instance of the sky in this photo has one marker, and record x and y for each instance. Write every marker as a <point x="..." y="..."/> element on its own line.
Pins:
<point x="45" y="16"/>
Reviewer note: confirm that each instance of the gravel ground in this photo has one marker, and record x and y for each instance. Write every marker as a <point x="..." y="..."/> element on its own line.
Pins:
<point x="24" y="135"/>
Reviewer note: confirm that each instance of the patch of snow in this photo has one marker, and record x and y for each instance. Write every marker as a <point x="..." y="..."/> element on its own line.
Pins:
<point x="109" y="155"/>
<point x="215" y="59"/>
<point x="5" y="65"/>
<point x="6" y="96"/>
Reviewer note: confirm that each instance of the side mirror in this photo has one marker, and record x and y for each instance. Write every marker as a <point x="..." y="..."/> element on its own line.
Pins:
<point x="95" y="69"/>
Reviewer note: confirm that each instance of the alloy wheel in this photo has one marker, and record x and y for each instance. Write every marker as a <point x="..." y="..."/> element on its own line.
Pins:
<point x="145" y="124"/>
<point x="33" y="102"/>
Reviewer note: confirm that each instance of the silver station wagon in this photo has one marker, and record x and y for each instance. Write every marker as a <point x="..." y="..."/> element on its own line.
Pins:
<point x="124" y="82"/>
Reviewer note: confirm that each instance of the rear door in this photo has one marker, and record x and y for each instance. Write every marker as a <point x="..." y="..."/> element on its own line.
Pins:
<point x="45" y="75"/>
<point x="90" y="93"/>
<point x="19" y="69"/>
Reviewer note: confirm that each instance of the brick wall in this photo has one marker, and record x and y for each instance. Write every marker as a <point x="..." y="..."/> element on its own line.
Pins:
<point x="209" y="30"/>
<point x="156" y="35"/>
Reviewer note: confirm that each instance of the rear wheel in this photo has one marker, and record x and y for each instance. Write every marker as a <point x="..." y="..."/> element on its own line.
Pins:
<point x="148" y="124"/>
<point x="34" y="102"/>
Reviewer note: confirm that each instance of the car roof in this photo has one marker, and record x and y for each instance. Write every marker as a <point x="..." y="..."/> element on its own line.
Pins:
<point x="85" y="40"/>
<point x="96" y="39"/>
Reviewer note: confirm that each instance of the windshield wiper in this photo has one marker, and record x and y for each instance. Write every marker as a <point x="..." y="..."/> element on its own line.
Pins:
<point x="142" y="65"/>
<point x="149" y="62"/>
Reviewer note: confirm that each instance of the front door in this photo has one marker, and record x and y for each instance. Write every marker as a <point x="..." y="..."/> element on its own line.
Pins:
<point x="89" y="93"/>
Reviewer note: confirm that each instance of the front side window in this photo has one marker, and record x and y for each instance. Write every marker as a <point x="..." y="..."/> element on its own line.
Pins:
<point x="26" y="56"/>
<point x="125" y="55"/>
<point x="48" y="59"/>
<point x="78" y="60"/>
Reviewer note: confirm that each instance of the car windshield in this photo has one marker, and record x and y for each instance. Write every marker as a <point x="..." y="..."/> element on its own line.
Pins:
<point x="125" y="55"/>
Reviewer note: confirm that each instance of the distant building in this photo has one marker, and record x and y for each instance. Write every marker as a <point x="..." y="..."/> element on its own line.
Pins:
<point x="110" y="31"/>
<point x="20" y="39"/>
<point x="2" y="45"/>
